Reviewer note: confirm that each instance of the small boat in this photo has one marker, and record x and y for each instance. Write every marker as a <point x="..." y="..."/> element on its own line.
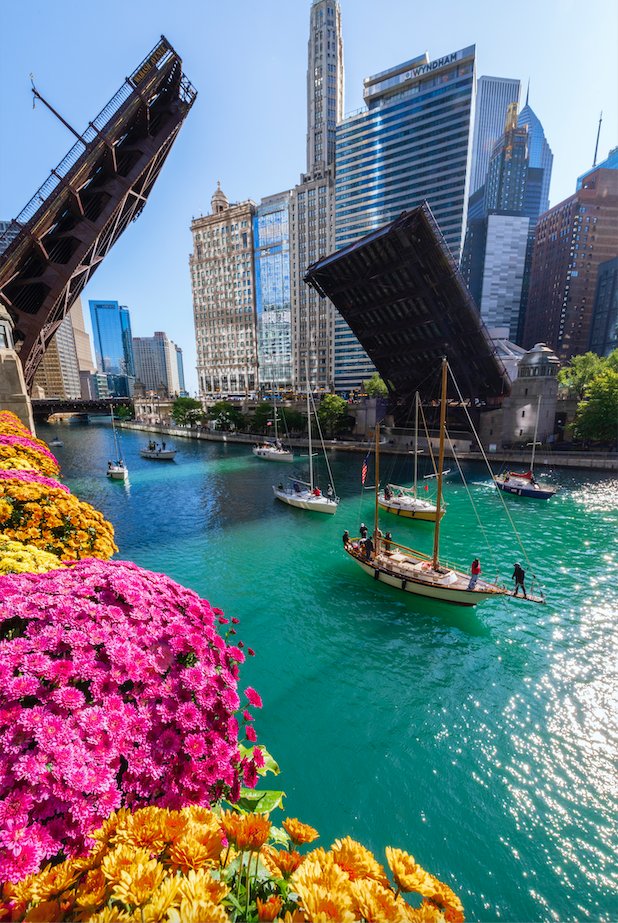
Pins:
<point x="412" y="571"/>
<point x="55" y="443"/>
<point x="404" y="501"/>
<point x="117" y="470"/>
<point x="523" y="483"/>
<point x="157" y="452"/>
<point x="307" y="495"/>
<point x="273" y="451"/>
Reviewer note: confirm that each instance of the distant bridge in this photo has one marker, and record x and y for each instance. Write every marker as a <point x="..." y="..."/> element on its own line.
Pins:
<point x="68" y="227"/>
<point x="42" y="408"/>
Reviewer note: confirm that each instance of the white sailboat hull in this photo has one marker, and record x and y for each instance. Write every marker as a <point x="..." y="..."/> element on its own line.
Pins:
<point x="416" y="576"/>
<point x="117" y="473"/>
<point x="409" y="507"/>
<point x="305" y="500"/>
<point x="158" y="454"/>
<point x="272" y="453"/>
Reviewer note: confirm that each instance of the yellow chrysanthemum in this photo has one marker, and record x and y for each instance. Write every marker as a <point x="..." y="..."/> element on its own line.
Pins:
<point x="447" y="901"/>
<point x="92" y="890"/>
<point x="46" y="912"/>
<point x="16" y="557"/>
<point x="323" y="887"/>
<point x="201" y="886"/>
<point x="408" y="875"/>
<point x="52" y="881"/>
<point x="167" y="895"/>
<point x="121" y="859"/>
<point x="199" y="814"/>
<point x="298" y="832"/>
<point x="144" y="829"/>
<point x="377" y="904"/>
<point x="188" y="853"/>
<point x="137" y="883"/>
<point x="357" y="861"/>
<point x="426" y="913"/>
<point x="246" y="831"/>
<point x="199" y="912"/>
<point x="111" y="915"/>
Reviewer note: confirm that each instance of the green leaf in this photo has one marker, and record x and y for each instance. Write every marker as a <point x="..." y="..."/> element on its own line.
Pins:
<point x="279" y="836"/>
<point x="256" y="802"/>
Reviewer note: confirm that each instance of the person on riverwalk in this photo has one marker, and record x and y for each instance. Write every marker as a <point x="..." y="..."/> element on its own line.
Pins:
<point x="475" y="572"/>
<point x="519" y="575"/>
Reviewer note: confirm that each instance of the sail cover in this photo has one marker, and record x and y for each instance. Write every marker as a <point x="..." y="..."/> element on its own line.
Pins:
<point x="401" y="293"/>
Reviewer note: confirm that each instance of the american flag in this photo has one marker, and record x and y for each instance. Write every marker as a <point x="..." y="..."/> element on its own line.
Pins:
<point x="364" y="469"/>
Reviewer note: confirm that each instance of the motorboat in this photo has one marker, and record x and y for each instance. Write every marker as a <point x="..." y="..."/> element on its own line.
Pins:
<point x="157" y="452"/>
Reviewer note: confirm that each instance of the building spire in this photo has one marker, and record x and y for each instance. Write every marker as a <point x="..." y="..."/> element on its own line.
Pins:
<point x="528" y="91"/>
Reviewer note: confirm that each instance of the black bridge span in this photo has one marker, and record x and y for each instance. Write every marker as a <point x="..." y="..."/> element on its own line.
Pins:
<point x="42" y="408"/>
<point x="102" y="184"/>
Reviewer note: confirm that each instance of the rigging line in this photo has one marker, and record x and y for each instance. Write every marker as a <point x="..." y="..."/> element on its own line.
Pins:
<point x="429" y="446"/>
<point x="465" y="484"/>
<point x="502" y="500"/>
<point x="317" y="421"/>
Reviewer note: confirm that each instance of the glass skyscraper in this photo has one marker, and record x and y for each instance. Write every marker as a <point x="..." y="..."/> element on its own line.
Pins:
<point x="271" y="239"/>
<point x="113" y="343"/>
<point x="539" y="151"/>
<point x="411" y="143"/>
<point x="493" y="96"/>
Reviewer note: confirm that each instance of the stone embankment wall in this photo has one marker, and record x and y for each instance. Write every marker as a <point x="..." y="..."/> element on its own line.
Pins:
<point x="599" y="461"/>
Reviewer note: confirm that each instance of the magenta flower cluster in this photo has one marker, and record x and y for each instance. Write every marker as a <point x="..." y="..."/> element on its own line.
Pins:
<point x="31" y="477"/>
<point x="117" y="691"/>
<point x="29" y="444"/>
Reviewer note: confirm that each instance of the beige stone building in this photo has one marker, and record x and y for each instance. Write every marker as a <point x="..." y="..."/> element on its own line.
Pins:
<point x="223" y="286"/>
<point x="67" y="355"/>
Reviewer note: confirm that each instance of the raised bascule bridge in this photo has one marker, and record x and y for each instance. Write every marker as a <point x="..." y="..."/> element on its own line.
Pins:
<point x="71" y="223"/>
<point x="401" y="292"/>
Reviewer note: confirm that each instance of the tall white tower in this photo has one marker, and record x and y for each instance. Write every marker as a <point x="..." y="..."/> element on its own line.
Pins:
<point x="324" y="82"/>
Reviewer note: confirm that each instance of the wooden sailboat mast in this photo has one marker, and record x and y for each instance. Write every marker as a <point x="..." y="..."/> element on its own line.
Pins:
<point x="376" y="525"/>
<point x="436" y="533"/>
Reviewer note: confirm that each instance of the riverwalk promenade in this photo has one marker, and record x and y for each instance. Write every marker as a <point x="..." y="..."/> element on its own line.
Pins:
<point x="596" y="461"/>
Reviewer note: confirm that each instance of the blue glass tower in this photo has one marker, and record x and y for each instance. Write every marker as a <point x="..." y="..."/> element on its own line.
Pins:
<point x="411" y="143"/>
<point x="271" y="233"/>
<point x="539" y="152"/>
<point x="113" y="344"/>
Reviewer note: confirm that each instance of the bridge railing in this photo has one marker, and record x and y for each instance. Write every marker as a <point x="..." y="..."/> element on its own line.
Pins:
<point x="156" y="58"/>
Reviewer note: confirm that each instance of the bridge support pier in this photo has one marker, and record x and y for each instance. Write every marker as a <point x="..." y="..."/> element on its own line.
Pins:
<point x="13" y="394"/>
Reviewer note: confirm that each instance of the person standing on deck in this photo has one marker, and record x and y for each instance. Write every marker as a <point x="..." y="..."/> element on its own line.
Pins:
<point x="475" y="572"/>
<point x="519" y="575"/>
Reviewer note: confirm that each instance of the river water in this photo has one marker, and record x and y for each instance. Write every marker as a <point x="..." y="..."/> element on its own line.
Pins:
<point x="483" y="741"/>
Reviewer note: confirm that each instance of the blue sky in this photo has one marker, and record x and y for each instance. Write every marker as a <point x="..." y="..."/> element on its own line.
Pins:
<point x="247" y="60"/>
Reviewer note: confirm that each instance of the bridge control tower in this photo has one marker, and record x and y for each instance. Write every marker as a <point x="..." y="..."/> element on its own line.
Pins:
<point x="71" y="223"/>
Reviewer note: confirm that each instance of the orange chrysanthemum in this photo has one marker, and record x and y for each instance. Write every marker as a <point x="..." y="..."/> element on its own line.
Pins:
<point x="269" y="909"/>
<point x="357" y="861"/>
<point x="136" y="884"/>
<point x="247" y="832"/>
<point x="285" y="862"/>
<point x="374" y="902"/>
<point x="298" y="832"/>
<point x="408" y="875"/>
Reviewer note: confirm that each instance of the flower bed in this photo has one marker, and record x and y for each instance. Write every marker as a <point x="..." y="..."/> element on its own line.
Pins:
<point x="196" y="865"/>
<point x="17" y="558"/>
<point x="54" y="520"/>
<point x="18" y="455"/>
<point x="117" y="690"/>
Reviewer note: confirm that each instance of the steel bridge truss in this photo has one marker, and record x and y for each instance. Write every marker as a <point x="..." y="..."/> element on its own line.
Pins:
<point x="102" y="184"/>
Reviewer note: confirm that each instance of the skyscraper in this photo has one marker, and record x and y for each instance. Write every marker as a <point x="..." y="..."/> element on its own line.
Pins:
<point x="156" y="364"/>
<point x="223" y="284"/>
<point x="58" y="372"/>
<point x="539" y="152"/>
<point x="411" y="143"/>
<point x="113" y="345"/>
<point x="572" y="240"/>
<point x="494" y="95"/>
<point x="271" y="234"/>
<point x="312" y="227"/>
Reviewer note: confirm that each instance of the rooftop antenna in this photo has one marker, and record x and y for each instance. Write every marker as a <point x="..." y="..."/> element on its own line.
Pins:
<point x="596" y="147"/>
<point x="36" y="95"/>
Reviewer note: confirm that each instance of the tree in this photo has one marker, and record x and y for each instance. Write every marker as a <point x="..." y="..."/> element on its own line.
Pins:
<point x="375" y="387"/>
<point x="226" y="415"/>
<point x="597" y="415"/>
<point x="580" y="371"/>
<point x="293" y="420"/>
<point x="187" y="411"/>
<point x="124" y="413"/>
<point x="333" y="413"/>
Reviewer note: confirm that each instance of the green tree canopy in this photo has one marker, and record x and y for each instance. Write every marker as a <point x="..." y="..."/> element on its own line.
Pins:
<point x="375" y="387"/>
<point x="226" y="415"/>
<point x="124" y="413"/>
<point x="597" y="415"/>
<point x="333" y="413"/>
<point x="187" y="411"/>
<point x="580" y="371"/>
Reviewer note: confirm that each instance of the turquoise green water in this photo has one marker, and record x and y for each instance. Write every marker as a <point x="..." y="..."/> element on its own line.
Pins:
<point x="483" y="741"/>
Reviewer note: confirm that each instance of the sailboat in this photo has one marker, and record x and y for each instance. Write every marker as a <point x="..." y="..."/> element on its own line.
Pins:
<point x="404" y="501"/>
<point x="412" y="571"/>
<point x="307" y="495"/>
<point x="116" y="470"/>
<point x="523" y="483"/>
<point x="273" y="451"/>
